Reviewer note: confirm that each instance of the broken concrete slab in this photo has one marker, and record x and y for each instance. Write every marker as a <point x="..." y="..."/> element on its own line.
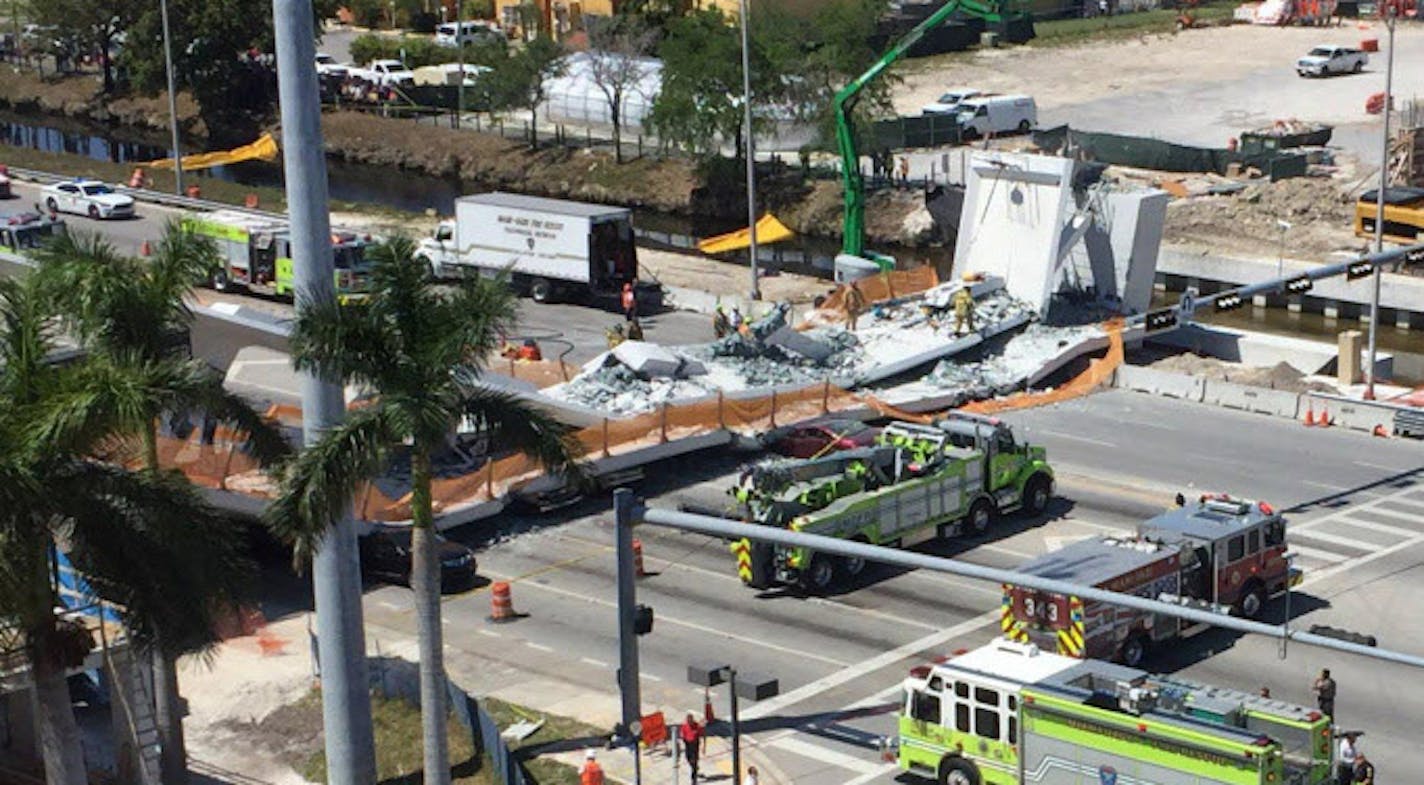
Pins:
<point x="801" y="344"/>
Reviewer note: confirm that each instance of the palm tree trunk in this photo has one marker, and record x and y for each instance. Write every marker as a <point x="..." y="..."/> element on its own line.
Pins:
<point x="425" y="581"/>
<point x="167" y="699"/>
<point x="59" y="733"/>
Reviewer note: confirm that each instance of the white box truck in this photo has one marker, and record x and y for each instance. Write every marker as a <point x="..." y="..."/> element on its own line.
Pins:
<point x="550" y="247"/>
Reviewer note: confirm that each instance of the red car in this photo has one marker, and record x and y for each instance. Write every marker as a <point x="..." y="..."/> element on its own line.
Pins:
<point x="820" y="438"/>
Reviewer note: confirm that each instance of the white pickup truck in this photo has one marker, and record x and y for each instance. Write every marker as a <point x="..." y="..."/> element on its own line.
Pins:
<point x="1326" y="60"/>
<point x="387" y="73"/>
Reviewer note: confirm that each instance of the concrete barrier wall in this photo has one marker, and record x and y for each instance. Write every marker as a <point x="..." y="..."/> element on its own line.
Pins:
<point x="1251" y="399"/>
<point x="1172" y="385"/>
<point x="1356" y="415"/>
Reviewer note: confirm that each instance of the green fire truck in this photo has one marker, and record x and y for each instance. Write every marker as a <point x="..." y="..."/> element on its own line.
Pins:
<point x="919" y="482"/>
<point x="1009" y="714"/>
<point x="255" y="253"/>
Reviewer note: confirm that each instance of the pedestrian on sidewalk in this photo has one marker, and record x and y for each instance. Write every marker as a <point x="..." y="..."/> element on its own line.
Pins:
<point x="1324" y="689"/>
<point x="1345" y="761"/>
<point x="691" y="735"/>
<point x="751" y="778"/>
<point x="904" y="171"/>
<point x="591" y="773"/>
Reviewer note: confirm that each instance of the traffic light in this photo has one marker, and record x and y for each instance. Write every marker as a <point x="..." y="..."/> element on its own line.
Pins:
<point x="1299" y="285"/>
<point x="1228" y="302"/>
<point x="1358" y="270"/>
<point x="642" y="620"/>
<point x="1164" y="319"/>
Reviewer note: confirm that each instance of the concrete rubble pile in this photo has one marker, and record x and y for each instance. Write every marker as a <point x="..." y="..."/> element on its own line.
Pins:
<point x="772" y="354"/>
<point x="1007" y="369"/>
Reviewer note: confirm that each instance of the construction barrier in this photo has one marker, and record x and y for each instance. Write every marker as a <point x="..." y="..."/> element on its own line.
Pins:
<point x="1355" y="415"/>
<point x="501" y="602"/>
<point x="1172" y="385"/>
<point x="1261" y="400"/>
<point x="874" y="288"/>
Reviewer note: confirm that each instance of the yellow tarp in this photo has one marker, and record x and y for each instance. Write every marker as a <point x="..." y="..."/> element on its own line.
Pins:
<point x="768" y="229"/>
<point x="264" y="149"/>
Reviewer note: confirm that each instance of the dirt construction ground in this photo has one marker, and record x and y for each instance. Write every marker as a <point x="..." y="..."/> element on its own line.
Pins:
<point x="1198" y="87"/>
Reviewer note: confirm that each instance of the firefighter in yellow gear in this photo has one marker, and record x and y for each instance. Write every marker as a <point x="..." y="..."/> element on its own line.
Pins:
<point x="854" y="304"/>
<point x="963" y="311"/>
<point x="614" y="335"/>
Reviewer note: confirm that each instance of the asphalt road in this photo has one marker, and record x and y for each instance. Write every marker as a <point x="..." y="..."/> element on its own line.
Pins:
<point x="1357" y="524"/>
<point x="575" y="332"/>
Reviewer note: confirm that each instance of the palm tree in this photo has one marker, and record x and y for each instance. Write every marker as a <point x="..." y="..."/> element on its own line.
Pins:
<point x="144" y="540"/>
<point x="419" y="350"/>
<point x="133" y="312"/>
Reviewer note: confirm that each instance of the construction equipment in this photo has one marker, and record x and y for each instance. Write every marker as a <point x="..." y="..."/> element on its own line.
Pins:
<point x="1403" y="214"/>
<point x="853" y="226"/>
<point x="254" y="253"/>
<point x="919" y="482"/>
<point x="1008" y="713"/>
<point x="1230" y="553"/>
<point x="23" y="231"/>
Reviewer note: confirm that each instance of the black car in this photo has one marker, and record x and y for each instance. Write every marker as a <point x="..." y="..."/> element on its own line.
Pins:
<point x="385" y="555"/>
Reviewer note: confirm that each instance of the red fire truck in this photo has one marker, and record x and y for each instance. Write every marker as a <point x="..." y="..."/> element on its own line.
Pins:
<point x="1217" y="550"/>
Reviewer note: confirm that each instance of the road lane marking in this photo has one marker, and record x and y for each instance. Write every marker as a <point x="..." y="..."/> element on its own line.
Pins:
<point x="885" y="659"/>
<point x="594" y="663"/>
<point x="883" y="771"/>
<point x="1382" y="528"/>
<point x="489" y="633"/>
<point x="702" y="627"/>
<point x="538" y="646"/>
<point x="826" y="755"/>
<point x="1393" y="469"/>
<point x="1073" y="437"/>
<point x="1317" y="554"/>
<point x="1335" y="539"/>
<point x="1320" y="575"/>
<point x="647" y="676"/>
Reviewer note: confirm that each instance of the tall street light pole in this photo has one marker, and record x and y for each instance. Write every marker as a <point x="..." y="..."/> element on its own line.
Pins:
<point x="460" y="44"/>
<point x="750" y="146"/>
<point x="172" y="101"/>
<point x="1379" y="208"/>
<point x="336" y="579"/>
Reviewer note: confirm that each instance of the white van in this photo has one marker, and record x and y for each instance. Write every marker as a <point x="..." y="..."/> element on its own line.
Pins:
<point x="469" y="32"/>
<point x="997" y="114"/>
<point x="948" y="103"/>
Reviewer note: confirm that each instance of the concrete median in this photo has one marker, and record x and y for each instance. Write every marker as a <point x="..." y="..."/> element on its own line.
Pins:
<point x="1171" y="385"/>
<point x="1251" y="399"/>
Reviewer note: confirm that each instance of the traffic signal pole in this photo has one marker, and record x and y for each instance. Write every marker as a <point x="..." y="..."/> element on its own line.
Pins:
<point x="336" y="577"/>
<point x="628" y="679"/>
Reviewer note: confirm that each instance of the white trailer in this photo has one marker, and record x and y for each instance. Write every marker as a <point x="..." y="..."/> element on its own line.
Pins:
<point x="547" y="246"/>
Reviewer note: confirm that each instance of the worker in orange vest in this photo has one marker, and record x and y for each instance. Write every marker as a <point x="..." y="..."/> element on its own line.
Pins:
<point x="630" y="302"/>
<point x="530" y="351"/>
<point x="591" y="773"/>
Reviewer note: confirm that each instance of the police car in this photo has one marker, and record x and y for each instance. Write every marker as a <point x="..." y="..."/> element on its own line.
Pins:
<point x="87" y="197"/>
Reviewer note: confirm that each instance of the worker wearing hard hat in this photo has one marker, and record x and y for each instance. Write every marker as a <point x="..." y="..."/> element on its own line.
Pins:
<point x="591" y="773"/>
<point x="964" y="307"/>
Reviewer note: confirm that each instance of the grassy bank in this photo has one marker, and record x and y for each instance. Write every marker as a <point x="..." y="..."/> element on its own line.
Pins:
<point x="544" y="771"/>
<point x="1070" y="32"/>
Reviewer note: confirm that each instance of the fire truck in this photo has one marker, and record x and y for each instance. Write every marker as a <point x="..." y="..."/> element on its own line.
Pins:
<point x="921" y="481"/>
<point x="24" y="231"/>
<point x="1219" y="551"/>
<point x="1009" y="713"/>
<point x="255" y="253"/>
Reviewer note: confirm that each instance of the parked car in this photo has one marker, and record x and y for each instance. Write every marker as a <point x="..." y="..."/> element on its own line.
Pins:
<point x="385" y="555"/>
<point x="454" y="34"/>
<point x="87" y="197"/>
<point x="448" y="74"/>
<point x="820" y="437"/>
<point x="326" y="66"/>
<point x="997" y="114"/>
<point x="950" y="101"/>
<point x="1325" y="60"/>
<point x="387" y="73"/>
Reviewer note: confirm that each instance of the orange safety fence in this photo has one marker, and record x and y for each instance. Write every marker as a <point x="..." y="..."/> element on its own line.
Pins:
<point x="219" y="465"/>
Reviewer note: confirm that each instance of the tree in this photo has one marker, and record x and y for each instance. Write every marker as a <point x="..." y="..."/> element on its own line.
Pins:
<point x="144" y="540"/>
<point x="85" y="25"/>
<point x="702" y="76"/>
<point x="617" y="64"/>
<point x="126" y="310"/>
<point x="420" y="350"/>
<point x="520" y="80"/>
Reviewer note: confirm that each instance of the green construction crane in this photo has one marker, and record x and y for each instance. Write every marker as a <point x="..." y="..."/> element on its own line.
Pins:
<point x="853" y="243"/>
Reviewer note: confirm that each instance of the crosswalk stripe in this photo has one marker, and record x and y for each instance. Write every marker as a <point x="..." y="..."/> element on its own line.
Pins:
<point x="1317" y="554"/>
<point x="826" y="755"/>
<point x="1382" y="528"/>
<point x="1333" y="539"/>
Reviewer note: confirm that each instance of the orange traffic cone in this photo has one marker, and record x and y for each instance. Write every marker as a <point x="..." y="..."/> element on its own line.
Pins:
<point x="1380" y="432"/>
<point x="145" y="249"/>
<point x="1325" y="421"/>
<point x="1309" y="420"/>
<point x="638" y="558"/>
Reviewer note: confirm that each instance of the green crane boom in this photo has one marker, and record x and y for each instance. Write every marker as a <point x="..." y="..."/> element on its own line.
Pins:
<point x="853" y="229"/>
